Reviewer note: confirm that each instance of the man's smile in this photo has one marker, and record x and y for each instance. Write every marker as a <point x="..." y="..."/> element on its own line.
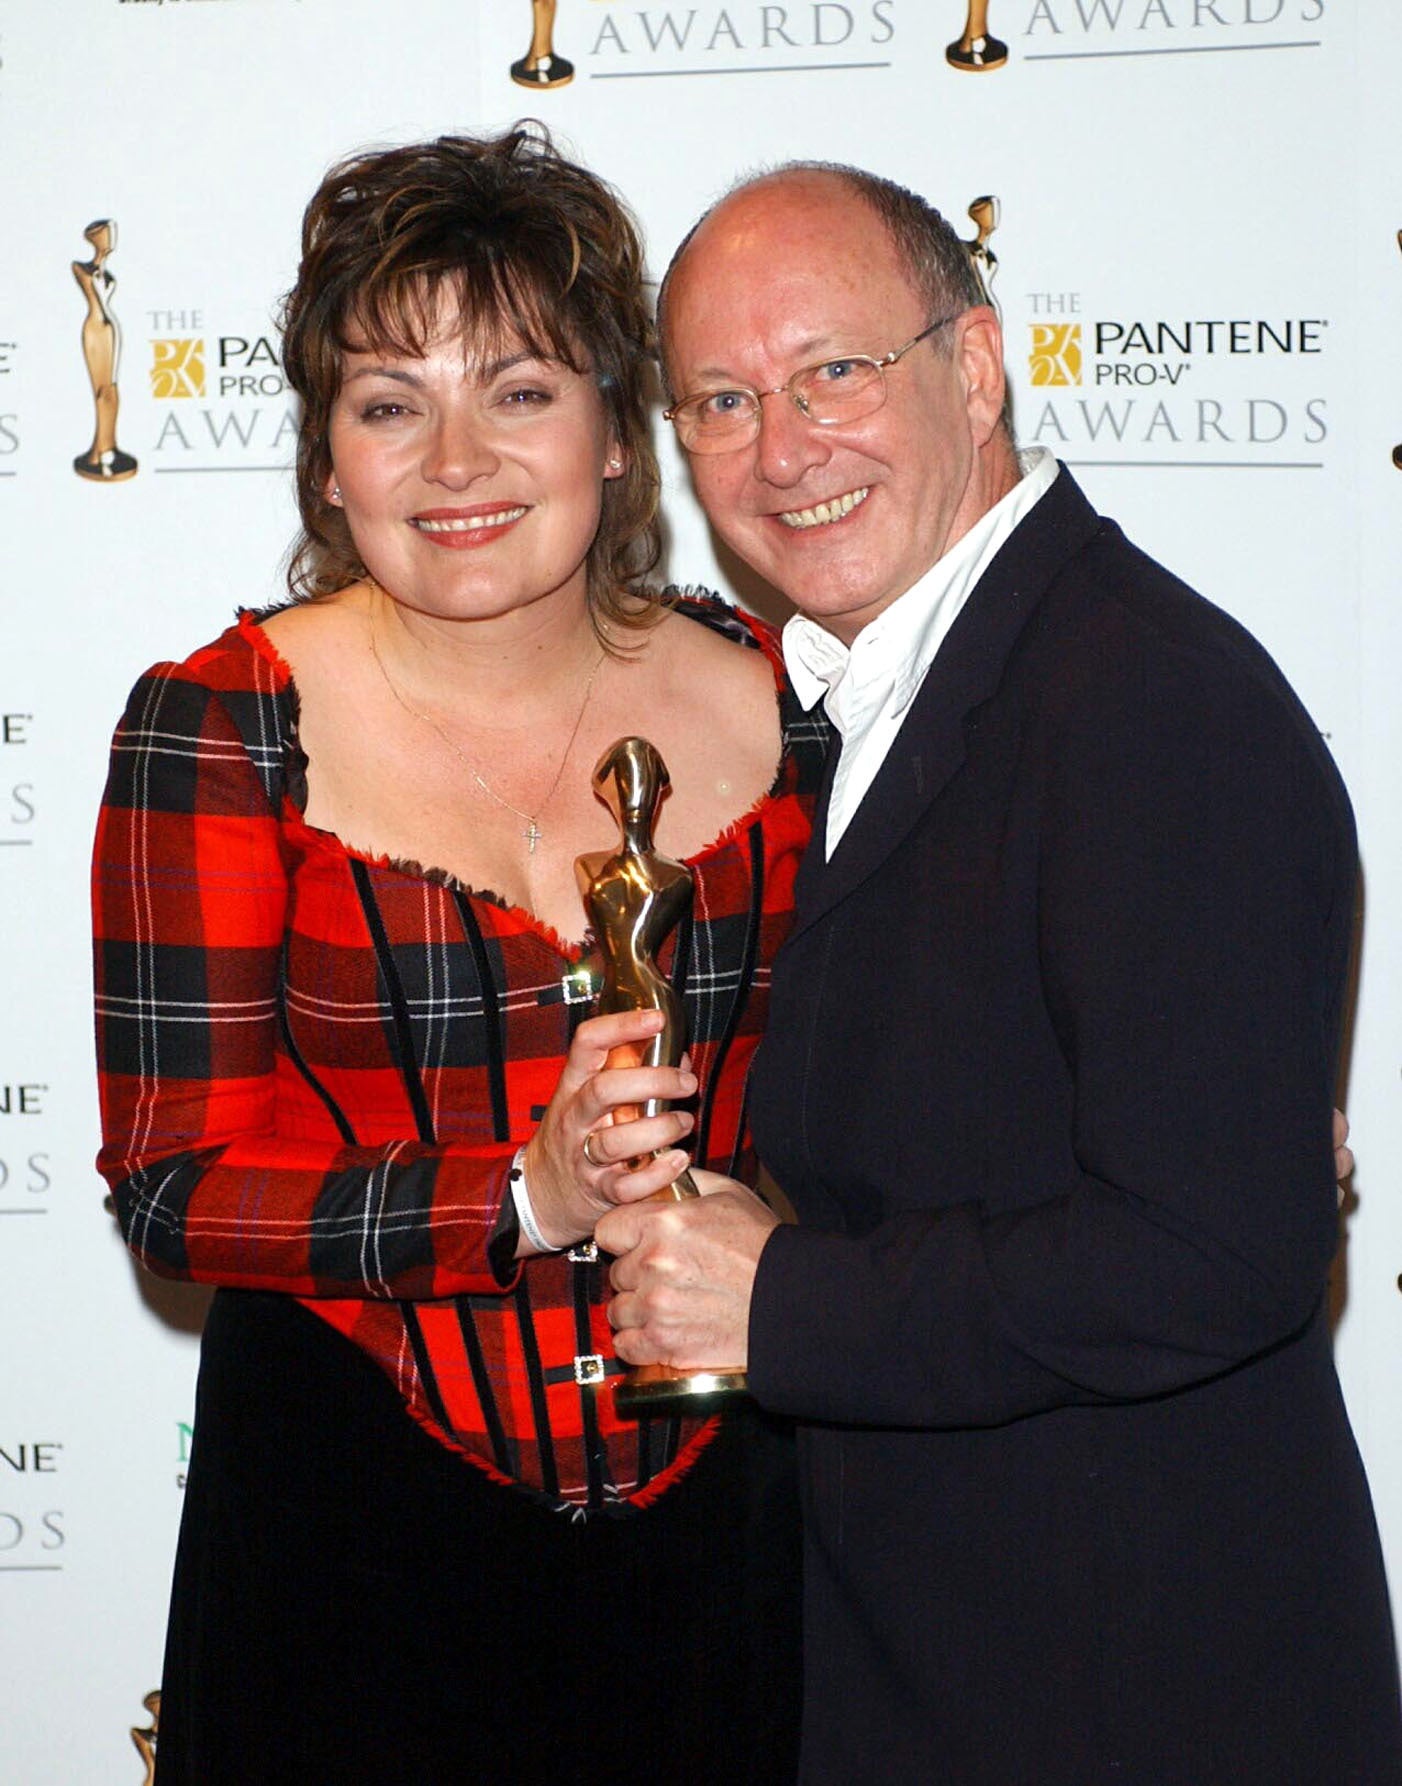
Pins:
<point x="822" y="514"/>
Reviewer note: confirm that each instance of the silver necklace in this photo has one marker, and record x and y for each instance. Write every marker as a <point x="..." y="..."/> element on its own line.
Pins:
<point x="532" y="833"/>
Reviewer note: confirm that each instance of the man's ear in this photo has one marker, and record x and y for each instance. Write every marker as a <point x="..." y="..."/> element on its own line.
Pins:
<point x="980" y="356"/>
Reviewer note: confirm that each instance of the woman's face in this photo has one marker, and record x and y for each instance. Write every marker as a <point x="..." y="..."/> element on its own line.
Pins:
<point x="472" y="479"/>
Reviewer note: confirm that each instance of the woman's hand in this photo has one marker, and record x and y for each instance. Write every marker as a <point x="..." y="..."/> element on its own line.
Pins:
<point x="598" y="1103"/>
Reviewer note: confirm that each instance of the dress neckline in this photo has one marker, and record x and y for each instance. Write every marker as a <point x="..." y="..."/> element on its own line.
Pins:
<point x="249" y="627"/>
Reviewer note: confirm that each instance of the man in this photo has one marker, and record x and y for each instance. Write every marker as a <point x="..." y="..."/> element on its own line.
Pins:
<point x="1047" y="1076"/>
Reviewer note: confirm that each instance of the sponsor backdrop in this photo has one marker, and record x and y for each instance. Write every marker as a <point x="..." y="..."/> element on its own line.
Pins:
<point x="1188" y="211"/>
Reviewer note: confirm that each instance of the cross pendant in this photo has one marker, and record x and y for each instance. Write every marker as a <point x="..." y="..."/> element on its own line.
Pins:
<point x="532" y="835"/>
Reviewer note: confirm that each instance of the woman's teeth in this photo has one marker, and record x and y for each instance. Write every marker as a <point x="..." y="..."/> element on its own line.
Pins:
<point x="470" y="523"/>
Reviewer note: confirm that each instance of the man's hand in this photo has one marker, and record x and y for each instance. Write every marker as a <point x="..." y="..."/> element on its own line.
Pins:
<point x="684" y="1274"/>
<point x="1343" y="1154"/>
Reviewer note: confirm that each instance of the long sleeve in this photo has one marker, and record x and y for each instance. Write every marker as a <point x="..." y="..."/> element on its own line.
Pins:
<point x="191" y="894"/>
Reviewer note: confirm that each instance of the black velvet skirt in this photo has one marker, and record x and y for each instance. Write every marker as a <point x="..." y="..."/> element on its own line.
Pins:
<point x="354" y="1604"/>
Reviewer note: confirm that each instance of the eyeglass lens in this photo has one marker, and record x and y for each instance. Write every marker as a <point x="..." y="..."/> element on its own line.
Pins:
<point x="835" y="391"/>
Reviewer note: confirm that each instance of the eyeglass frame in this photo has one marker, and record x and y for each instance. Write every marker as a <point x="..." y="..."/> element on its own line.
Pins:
<point x="878" y="364"/>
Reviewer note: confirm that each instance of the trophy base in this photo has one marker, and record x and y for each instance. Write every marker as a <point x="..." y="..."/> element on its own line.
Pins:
<point x="107" y="468"/>
<point x="661" y="1389"/>
<point x="547" y="71"/>
<point x="976" y="55"/>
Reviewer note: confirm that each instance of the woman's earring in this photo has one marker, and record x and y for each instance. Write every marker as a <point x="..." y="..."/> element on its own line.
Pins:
<point x="335" y="493"/>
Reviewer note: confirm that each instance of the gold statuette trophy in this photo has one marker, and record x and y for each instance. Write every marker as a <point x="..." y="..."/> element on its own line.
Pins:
<point x="540" y="66"/>
<point x="976" y="52"/>
<point x="635" y="897"/>
<point x="984" y="214"/>
<point x="104" y="462"/>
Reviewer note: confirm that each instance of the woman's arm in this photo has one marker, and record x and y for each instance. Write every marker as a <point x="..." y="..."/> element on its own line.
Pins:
<point x="189" y="900"/>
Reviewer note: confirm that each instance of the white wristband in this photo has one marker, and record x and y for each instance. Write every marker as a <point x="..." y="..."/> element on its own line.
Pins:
<point x="525" y="1215"/>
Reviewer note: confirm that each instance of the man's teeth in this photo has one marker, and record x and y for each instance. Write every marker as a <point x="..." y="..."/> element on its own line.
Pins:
<point x="470" y="523"/>
<point x="823" y="512"/>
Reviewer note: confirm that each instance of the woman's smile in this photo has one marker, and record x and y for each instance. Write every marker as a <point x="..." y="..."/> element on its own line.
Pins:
<point x="456" y="529"/>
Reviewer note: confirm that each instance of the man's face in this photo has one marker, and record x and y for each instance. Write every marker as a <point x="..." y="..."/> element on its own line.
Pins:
<point x="841" y="519"/>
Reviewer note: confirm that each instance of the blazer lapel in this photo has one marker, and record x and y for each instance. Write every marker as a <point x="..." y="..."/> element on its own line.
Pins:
<point x="929" y="747"/>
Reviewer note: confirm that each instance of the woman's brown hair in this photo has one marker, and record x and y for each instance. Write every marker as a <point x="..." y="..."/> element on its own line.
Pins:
<point x="528" y="245"/>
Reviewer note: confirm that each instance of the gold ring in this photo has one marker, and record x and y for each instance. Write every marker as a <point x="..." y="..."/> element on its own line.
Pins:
<point x="589" y="1153"/>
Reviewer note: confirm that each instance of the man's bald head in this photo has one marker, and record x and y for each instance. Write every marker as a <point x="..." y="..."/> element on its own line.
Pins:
<point x="934" y="258"/>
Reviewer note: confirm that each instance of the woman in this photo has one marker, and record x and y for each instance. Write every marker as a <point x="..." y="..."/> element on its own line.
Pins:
<point x="341" y="973"/>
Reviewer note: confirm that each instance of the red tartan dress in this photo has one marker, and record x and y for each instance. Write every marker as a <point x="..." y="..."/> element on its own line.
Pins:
<point x="316" y="1068"/>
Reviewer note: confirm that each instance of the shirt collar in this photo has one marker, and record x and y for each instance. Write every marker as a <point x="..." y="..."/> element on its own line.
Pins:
<point x="902" y="641"/>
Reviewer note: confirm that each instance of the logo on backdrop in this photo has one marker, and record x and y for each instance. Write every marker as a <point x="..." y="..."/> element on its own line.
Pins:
<point x="145" y="1737"/>
<point x="104" y="462"/>
<point x="1188" y="389"/>
<point x="1120" y="387"/>
<point x="9" y="416"/>
<point x="26" y="1168"/>
<point x="18" y="806"/>
<point x="32" y="1533"/>
<point x="221" y="399"/>
<point x="1059" y="30"/>
<point x="25" y="1176"/>
<point x="540" y="66"/>
<point x="177" y="368"/>
<point x="976" y="52"/>
<point x="1055" y="357"/>
<point x="618" y="42"/>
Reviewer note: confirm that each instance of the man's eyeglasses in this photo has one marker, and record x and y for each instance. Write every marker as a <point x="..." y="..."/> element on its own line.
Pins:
<point x="841" y="390"/>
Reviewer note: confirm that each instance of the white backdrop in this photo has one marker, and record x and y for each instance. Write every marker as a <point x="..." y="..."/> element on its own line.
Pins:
<point x="1199" y="272"/>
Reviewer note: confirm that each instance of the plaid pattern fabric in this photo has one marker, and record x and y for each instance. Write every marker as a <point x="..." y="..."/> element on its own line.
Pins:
<point x="315" y="1068"/>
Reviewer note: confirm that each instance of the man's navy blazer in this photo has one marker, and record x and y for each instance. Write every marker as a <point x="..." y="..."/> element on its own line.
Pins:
<point x="1051" y="1056"/>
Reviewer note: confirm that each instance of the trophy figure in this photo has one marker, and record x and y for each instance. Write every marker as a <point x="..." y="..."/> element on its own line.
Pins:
<point x="635" y="897"/>
<point x="104" y="462"/>
<point x="976" y="52"/>
<point x="540" y="66"/>
<point x="984" y="213"/>
<point x="146" y="1738"/>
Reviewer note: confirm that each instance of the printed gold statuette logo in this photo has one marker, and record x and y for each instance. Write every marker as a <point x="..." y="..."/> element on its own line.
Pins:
<point x="540" y="66"/>
<point x="104" y="462"/>
<point x="984" y="213"/>
<point x="976" y="52"/>
<point x="144" y="1736"/>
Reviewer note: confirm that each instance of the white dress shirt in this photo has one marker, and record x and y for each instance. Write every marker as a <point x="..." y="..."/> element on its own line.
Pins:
<point x="870" y="687"/>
